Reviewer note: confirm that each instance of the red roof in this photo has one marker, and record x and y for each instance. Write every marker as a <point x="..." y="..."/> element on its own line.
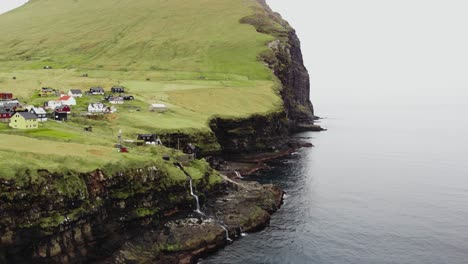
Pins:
<point x="64" y="98"/>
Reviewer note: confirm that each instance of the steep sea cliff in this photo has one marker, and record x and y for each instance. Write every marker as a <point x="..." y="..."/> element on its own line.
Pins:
<point x="142" y="214"/>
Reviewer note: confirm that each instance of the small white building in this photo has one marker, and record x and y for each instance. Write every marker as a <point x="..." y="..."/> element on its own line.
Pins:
<point x="160" y="108"/>
<point x="97" y="108"/>
<point x="100" y="108"/>
<point x="116" y="100"/>
<point x="52" y="104"/>
<point x="67" y="100"/>
<point x="76" y="93"/>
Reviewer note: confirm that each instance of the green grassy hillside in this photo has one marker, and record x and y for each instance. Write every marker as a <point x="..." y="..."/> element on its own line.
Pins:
<point x="194" y="56"/>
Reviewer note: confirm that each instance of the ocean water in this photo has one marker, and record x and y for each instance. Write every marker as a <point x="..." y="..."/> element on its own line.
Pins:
<point x="380" y="186"/>
<point x="388" y="181"/>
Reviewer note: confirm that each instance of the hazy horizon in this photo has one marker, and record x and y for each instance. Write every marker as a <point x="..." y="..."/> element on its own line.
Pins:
<point x="6" y="6"/>
<point x="417" y="46"/>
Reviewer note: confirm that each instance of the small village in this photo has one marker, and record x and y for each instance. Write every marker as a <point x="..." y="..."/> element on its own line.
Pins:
<point x="21" y="116"/>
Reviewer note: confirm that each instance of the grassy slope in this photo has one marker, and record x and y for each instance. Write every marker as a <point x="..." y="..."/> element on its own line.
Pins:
<point x="198" y="58"/>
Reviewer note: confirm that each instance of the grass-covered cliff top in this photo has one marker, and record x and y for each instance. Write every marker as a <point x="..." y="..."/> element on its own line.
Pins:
<point x="194" y="56"/>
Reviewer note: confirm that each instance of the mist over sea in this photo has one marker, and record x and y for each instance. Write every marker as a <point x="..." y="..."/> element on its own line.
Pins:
<point x="388" y="182"/>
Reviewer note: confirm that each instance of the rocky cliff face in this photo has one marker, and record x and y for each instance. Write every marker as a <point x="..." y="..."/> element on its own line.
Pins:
<point x="97" y="218"/>
<point x="71" y="218"/>
<point x="284" y="58"/>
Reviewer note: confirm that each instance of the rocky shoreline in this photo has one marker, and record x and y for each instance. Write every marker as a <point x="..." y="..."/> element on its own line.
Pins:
<point x="136" y="216"/>
<point x="242" y="207"/>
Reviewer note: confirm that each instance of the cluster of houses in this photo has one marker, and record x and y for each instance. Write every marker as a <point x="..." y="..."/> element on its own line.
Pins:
<point x="28" y="117"/>
<point x="21" y="116"/>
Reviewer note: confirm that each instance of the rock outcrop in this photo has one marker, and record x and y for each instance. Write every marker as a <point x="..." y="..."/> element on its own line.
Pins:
<point x="264" y="133"/>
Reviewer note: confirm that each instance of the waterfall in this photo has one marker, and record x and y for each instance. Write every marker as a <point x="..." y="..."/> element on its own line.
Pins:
<point x="195" y="196"/>
<point x="225" y="230"/>
<point x="198" y="210"/>
<point x="238" y="175"/>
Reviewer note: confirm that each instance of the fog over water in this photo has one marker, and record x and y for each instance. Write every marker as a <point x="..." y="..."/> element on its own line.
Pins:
<point x="388" y="183"/>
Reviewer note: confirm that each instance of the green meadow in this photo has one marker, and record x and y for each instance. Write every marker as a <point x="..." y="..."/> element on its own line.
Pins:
<point x="194" y="56"/>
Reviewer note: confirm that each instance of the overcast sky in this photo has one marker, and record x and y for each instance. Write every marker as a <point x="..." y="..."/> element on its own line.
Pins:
<point x="382" y="48"/>
<point x="376" y="45"/>
<point x="6" y="5"/>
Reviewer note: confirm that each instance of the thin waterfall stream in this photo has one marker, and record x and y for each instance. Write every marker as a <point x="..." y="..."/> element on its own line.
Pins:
<point x="198" y="210"/>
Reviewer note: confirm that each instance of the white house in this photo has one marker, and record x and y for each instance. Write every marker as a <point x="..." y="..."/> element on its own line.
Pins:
<point x="97" y="108"/>
<point x="100" y="108"/>
<point x="76" y="93"/>
<point x="67" y="100"/>
<point x="158" y="108"/>
<point x="52" y="104"/>
<point x="40" y="112"/>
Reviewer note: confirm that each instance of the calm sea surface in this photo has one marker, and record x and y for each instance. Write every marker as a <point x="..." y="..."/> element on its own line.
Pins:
<point x="388" y="181"/>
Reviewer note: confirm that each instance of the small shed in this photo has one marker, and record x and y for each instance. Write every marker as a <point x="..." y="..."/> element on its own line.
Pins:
<point x="191" y="149"/>
<point x="150" y="139"/>
<point x="76" y="93"/>
<point x="160" y="108"/>
<point x="115" y="100"/>
<point x="118" y="89"/>
<point x="96" y="90"/>
<point x="46" y="91"/>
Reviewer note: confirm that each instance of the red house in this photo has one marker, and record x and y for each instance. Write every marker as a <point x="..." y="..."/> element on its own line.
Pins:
<point x="5" y="114"/>
<point x="63" y="109"/>
<point x="6" y="96"/>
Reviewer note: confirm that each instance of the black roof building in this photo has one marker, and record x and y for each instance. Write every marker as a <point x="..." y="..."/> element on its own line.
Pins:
<point x="118" y="89"/>
<point x="76" y="91"/>
<point x="96" y="89"/>
<point x="148" y="137"/>
<point x="60" y="116"/>
<point x="191" y="149"/>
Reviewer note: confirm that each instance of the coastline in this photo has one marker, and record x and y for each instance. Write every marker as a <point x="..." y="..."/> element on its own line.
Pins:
<point x="146" y="213"/>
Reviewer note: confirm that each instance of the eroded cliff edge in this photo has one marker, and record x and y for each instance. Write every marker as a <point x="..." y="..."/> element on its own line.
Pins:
<point x="267" y="133"/>
<point x="143" y="214"/>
